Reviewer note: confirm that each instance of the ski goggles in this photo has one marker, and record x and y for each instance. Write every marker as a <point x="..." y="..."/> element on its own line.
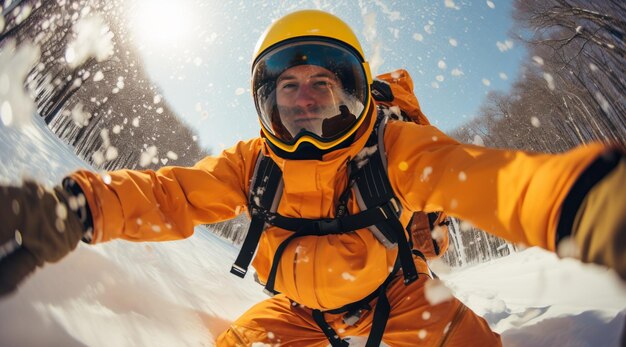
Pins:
<point x="313" y="91"/>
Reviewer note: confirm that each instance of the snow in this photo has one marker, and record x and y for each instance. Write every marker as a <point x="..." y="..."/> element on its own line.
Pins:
<point x="533" y="298"/>
<point x="549" y="80"/>
<point x="604" y="103"/>
<point x="181" y="293"/>
<point x="16" y="105"/>
<point x="538" y="60"/>
<point x="504" y="46"/>
<point x="93" y="39"/>
<point x="418" y="37"/>
<point x="437" y="292"/>
<point x="535" y="122"/>
<point x="451" y="4"/>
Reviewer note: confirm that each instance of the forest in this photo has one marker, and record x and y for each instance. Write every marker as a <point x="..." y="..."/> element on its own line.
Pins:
<point x="105" y="106"/>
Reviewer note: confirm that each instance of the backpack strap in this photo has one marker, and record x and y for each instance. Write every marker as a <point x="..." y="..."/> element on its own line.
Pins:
<point x="267" y="177"/>
<point x="373" y="189"/>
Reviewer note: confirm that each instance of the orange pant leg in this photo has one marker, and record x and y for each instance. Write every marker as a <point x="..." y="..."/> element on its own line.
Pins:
<point x="274" y="322"/>
<point x="412" y="322"/>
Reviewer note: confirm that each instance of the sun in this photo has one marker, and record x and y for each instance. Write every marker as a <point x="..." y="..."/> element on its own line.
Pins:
<point x="161" y="22"/>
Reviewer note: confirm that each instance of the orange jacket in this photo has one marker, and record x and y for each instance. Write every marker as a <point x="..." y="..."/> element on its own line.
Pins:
<point x="512" y="194"/>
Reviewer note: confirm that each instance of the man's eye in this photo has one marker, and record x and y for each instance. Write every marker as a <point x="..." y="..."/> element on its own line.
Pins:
<point x="321" y="84"/>
<point x="288" y="86"/>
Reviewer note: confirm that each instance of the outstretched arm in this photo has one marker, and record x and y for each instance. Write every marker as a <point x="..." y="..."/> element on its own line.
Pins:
<point x="530" y="198"/>
<point x="166" y="204"/>
<point x="39" y="225"/>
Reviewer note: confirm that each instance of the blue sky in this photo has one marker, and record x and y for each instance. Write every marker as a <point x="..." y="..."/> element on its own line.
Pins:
<point x="199" y="54"/>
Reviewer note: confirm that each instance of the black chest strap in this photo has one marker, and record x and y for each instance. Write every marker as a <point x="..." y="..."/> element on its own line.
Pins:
<point x="380" y="210"/>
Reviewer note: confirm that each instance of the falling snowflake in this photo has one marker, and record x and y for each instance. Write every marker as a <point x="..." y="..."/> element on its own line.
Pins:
<point x="462" y="176"/>
<point x="111" y="153"/>
<point x="466" y="226"/>
<point x="538" y="60"/>
<point x="503" y="76"/>
<point x="436" y="292"/>
<point x="604" y="103"/>
<point x="456" y="72"/>
<point x="451" y="4"/>
<point x="486" y="82"/>
<point x="428" y="28"/>
<point x="16" y="106"/>
<point x="348" y="277"/>
<point x="172" y="155"/>
<point x="453" y="42"/>
<point x="504" y="46"/>
<point x="93" y="39"/>
<point x="441" y="64"/>
<point x="422" y="334"/>
<point x="98" y="76"/>
<point x="535" y="122"/>
<point x="418" y="37"/>
<point x="79" y="116"/>
<point x="549" y="79"/>
<point x="426" y="173"/>
<point x="478" y="141"/>
<point x="491" y="4"/>
<point x="148" y="156"/>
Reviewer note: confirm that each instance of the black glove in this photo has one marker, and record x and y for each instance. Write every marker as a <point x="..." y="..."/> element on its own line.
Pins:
<point x="36" y="226"/>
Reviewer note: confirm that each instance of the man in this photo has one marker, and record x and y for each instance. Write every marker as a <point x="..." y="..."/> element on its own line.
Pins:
<point x="311" y="86"/>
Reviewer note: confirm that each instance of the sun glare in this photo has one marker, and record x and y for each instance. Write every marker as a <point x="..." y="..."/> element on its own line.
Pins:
<point x="161" y="22"/>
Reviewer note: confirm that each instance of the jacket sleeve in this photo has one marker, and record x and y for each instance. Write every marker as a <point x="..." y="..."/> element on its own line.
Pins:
<point x="166" y="204"/>
<point x="512" y="194"/>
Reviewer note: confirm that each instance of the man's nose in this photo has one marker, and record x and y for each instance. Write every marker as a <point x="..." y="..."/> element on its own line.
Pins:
<point x="304" y="96"/>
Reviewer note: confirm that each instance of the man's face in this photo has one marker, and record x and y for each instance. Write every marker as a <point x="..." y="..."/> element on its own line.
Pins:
<point x="306" y="95"/>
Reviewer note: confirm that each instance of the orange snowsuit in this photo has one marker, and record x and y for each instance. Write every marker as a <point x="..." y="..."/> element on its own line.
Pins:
<point x="513" y="194"/>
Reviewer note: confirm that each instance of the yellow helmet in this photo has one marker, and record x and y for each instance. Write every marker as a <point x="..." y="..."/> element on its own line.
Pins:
<point x="310" y="82"/>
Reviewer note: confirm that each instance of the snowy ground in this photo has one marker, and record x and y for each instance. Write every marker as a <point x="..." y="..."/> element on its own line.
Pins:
<point x="181" y="293"/>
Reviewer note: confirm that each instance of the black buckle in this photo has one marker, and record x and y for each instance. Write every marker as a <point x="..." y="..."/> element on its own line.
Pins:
<point x="328" y="226"/>
<point x="238" y="271"/>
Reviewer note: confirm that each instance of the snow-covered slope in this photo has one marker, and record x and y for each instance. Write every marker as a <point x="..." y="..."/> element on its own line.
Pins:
<point x="181" y="293"/>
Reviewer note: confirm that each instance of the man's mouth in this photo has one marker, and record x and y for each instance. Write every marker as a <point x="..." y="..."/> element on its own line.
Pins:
<point x="306" y="118"/>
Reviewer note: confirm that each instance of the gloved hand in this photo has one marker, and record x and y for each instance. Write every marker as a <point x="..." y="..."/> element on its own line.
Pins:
<point x="600" y="225"/>
<point x="36" y="226"/>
